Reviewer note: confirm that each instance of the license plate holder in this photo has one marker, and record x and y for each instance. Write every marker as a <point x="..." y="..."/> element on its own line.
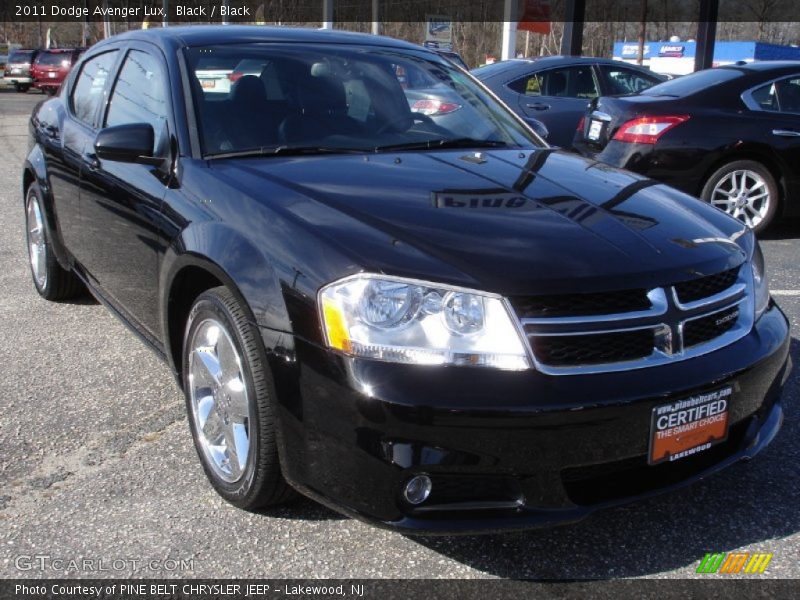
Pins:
<point x="595" y="130"/>
<point x="52" y="75"/>
<point x="685" y="427"/>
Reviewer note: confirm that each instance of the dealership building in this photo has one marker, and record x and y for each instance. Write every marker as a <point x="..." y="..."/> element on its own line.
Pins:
<point x="678" y="58"/>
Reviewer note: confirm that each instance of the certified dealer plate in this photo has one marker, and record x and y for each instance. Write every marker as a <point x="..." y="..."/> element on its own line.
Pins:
<point x="685" y="427"/>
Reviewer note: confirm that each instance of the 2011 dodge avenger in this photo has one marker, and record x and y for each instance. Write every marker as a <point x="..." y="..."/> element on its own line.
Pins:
<point x="433" y="325"/>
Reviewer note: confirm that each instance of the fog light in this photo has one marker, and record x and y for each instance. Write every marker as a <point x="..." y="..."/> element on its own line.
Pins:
<point x="418" y="489"/>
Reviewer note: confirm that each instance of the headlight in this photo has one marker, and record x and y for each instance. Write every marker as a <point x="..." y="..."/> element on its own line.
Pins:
<point x="760" y="284"/>
<point x="407" y="321"/>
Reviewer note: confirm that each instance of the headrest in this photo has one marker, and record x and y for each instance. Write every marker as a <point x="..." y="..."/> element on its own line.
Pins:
<point x="249" y="90"/>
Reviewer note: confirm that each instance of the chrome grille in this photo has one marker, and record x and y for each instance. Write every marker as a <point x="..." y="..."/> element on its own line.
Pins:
<point x="564" y="305"/>
<point x="703" y="287"/>
<point x="678" y="321"/>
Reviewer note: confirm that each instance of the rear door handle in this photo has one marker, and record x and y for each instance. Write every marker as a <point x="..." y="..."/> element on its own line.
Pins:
<point x="537" y="106"/>
<point x="785" y="133"/>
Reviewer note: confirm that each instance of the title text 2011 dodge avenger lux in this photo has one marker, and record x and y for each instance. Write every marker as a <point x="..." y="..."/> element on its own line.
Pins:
<point x="434" y="325"/>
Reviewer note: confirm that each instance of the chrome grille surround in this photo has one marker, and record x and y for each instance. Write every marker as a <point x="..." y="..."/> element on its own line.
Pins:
<point x="666" y="317"/>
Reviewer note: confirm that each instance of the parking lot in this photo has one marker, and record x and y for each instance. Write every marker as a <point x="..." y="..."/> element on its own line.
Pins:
<point x="97" y="463"/>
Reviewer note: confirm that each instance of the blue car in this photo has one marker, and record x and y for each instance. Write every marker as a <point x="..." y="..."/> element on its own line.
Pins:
<point x="557" y="89"/>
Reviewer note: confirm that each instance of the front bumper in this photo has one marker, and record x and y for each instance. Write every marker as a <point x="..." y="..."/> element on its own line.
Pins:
<point x="510" y="450"/>
<point x="41" y="84"/>
<point x="16" y="80"/>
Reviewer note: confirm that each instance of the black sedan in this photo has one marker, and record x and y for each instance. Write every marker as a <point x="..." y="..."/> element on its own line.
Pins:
<point x="433" y="326"/>
<point x="729" y="135"/>
<point x="557" y="89"/>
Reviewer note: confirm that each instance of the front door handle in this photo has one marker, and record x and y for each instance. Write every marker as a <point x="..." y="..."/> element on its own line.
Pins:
<point x="537" y="106"/>
<point x="92" y="162"/>
<point x="785" y="133"/>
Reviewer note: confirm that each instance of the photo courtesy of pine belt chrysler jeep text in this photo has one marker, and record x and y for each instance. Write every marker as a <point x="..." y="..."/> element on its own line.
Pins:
<point x="429" y="320"/>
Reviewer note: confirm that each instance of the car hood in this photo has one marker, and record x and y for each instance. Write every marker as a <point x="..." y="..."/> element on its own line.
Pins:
<point x="507" y="221"/>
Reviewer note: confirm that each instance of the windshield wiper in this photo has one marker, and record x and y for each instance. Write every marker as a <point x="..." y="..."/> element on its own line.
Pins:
<point x="284" y="151"/>
<point x="441" y="144"/>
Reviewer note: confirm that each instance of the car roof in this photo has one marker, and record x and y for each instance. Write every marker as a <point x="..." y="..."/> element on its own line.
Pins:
<point x="206" y="35"/>
<point x="764" y="65"/>
<point x="525" y="65"/>
<point x="568" y="60"/>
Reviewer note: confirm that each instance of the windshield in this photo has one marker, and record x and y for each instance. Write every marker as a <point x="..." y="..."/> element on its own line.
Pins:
<point x="53" y="58"/>
<point x="693" y="83"/>
<point x="272" y="98"/>
<point x="21" y="56"/>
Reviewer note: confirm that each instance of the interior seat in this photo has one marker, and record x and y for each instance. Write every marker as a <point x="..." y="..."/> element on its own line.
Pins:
<point x="321" y="111"/>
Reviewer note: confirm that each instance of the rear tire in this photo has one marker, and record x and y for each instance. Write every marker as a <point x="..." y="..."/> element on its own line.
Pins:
<point x="746" y="190"/>
<point x="51" y="280"/>
<point x="23" y="88"/>
<point x="230" y="399"/>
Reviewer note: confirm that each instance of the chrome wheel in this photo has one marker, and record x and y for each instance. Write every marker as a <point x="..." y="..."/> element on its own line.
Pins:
<point x="744" y="195"/>
<point x="37" y="248"/>
<point x="219" y="401"/>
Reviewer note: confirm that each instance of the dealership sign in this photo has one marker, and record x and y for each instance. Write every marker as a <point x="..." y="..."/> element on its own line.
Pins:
<point x="673" y="50"/>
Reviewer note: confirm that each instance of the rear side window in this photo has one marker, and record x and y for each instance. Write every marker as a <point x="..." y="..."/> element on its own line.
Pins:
<point x="87" y="93"/>
<point x="139" y="94"/>
<point x="780" y="96"/>
<point x="571" y="82"/>
<point x="626" y="81"/>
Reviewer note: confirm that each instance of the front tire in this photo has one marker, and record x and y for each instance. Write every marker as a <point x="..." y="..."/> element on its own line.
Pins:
<point x="51" y="280"/>
<point x="230" y="401"/>
<point x="746" y="190"/>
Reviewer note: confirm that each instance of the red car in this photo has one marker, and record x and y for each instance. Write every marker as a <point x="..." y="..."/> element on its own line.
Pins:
<point x="52" y="66"/>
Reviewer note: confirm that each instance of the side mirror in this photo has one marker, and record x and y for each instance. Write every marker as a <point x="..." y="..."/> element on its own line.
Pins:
<point x="538" y="127"/>
<point x="130" y="143"/>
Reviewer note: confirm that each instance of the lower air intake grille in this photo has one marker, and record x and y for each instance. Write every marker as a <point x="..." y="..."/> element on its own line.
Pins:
<point x="595" y="348"/>
<point x="708" y="328"/>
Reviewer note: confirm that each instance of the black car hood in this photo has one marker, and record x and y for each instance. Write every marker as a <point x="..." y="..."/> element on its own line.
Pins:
<point x="508" y="221"/>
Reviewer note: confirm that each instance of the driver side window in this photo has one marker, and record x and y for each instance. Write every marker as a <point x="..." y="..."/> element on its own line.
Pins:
<point x="139" y="94"/>
<point x="87" y="93"/>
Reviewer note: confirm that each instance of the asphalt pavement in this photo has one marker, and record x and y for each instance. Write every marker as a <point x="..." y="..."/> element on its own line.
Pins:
<point x="96" y="462"/>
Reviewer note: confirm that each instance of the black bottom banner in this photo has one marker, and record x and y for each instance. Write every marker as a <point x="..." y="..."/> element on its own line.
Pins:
<point x="423" y="589"/>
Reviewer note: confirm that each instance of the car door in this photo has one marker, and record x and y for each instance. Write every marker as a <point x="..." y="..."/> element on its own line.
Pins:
<point x="64" y="141"/>
<point x="557" y="97"/>
<point x="776" y="106"/>
<point x="121" y="201"/>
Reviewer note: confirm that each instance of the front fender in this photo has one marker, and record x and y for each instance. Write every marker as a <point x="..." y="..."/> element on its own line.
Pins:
<point x="236" y="262"/>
